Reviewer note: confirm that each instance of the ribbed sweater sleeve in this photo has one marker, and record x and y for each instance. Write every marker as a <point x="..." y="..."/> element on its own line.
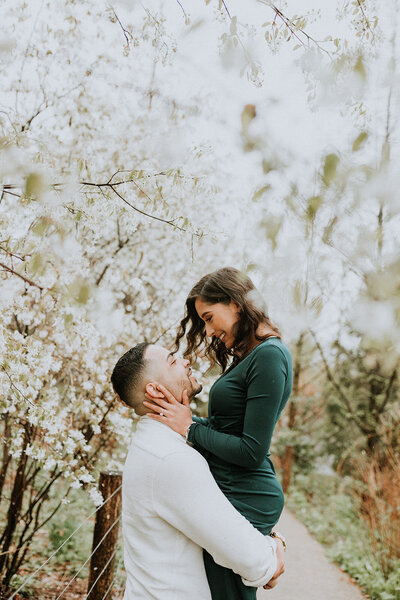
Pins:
<point x="265" y="380"/>
<point x="186" y="495"/>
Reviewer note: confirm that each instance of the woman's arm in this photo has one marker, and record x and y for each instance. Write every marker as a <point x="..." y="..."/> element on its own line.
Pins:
<point x="266" y="379"/>
<point x="203" y="420"/>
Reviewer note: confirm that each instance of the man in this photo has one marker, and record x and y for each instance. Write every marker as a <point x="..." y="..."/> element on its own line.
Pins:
<point x="171" y="505"/>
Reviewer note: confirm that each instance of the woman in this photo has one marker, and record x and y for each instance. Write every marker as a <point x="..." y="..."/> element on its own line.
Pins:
<point x="244" y="404"/>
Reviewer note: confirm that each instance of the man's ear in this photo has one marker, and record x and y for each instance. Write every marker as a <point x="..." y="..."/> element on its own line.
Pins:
<point x="151" y="390"/>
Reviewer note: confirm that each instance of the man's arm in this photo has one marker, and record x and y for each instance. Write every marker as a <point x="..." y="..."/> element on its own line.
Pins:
<point x="187" y="496"/>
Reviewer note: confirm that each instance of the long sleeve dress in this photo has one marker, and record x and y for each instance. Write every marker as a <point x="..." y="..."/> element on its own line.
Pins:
<point x="245" y="404"/>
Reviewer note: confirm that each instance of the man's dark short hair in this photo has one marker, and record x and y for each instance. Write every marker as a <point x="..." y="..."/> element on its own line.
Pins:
<point x="127" y="372"/>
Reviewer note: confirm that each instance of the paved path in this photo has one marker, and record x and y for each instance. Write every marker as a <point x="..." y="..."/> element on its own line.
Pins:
<point x="308" y="573"/>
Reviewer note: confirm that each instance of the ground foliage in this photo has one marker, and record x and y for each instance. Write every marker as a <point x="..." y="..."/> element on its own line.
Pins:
<point x="336" y="523"/>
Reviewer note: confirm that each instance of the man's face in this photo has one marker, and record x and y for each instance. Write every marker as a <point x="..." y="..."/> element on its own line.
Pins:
<point x="171" y="371"/>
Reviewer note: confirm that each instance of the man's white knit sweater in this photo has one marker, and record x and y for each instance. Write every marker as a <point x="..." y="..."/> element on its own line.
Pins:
<point x="171" y="509"/>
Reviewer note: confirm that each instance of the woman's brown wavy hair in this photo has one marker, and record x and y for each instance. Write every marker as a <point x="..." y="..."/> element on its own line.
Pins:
<point x="223" y="286"/>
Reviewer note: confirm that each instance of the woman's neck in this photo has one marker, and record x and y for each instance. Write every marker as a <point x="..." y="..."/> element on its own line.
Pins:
<point x="262" y="331"/>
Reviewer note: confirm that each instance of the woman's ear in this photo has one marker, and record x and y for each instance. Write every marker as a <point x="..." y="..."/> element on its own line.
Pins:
<point x="151" y="390"/>
<point x="236" y="306"/>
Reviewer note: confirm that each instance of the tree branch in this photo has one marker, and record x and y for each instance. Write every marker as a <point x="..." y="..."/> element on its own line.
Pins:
<point x="388" y="390"/>
<point x="338" y="388"/>
<point x="112" y="186"/>
<point x="290" y="25"/>
<point x="365" y="17"/>
<point x="183" y="10"/>
<point x="29" y="281"/>
<point x="12" y="254"/>
<point x="127" y="34"/>
<point x="15" y="387"/>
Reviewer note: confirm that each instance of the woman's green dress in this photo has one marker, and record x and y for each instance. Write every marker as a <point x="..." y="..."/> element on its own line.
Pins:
<point x="244" y="405"/>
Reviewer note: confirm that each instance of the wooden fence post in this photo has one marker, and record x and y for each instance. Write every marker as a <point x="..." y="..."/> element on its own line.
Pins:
<point x="101" y="574"/>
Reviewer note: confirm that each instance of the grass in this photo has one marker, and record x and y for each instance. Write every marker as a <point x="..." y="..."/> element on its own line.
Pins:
<point x="67" y="561"/>
<point x="329" y="508"/>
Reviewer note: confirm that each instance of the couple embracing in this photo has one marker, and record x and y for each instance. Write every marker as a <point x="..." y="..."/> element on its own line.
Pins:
<point x="200" y="496"/>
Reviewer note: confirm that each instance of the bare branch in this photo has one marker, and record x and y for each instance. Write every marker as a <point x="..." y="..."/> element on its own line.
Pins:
<point x="45" y="104"/>
<point x="389" y="388"/>
<point x="29" y="281"/>
<point x="338" y="388"/>
<point x="291" y="26"/>
<point x="6" y="189"/>
<point x="183" y="10"/>
<point x="368" y="24"/>
<point x="15" y="387"/>
<point x="12" y="254"/>
<point x="127" y="34"/>
<point x="226" y="9"/>
<point x="27" y="124"/>
<point x="112" y="186"/>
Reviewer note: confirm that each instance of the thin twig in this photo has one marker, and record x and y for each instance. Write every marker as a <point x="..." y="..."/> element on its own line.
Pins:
<point x="183" y="10"/>
<point x="174" y="324"/>
<point x="15" y="387"/>
<point x="12" y="254"/>
<point x="388" y="390"/>
<point x="29" y="281"/>
<point x="289" y="24"/>
<point x="365" y="17"/>
<point x="124" y="31"/>
<point x="226" y="9"/>
<point x="337" y="386"/>
<point x="111" y="186"/>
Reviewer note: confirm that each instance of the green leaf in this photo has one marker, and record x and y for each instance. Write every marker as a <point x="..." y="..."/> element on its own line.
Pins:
<point x="330" y="166"/>
<point x="267" y="166"/>
<point x="67" y="320"/>
<point x="313" y="205"/>
<point x="317" y="304"/>
<point x="36" y="263"/>
<point x="80" y="291"/>
<point x="359" y="67"/>
<point x="273" y="226"/>
<point x="297" y="294"/>
<point x="40" y="226"/>
<point x="33" y="185"/>
<point x="248" y="114"/>
<point x="257" y="194"/>
<point x="359" y="141"/>
<point x="326" y="236"/>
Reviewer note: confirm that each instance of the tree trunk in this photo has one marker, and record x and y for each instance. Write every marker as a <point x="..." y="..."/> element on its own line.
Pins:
<point x="289" y="455"/>
<point x="14" y="511"/>
<point x="101" y="574"/>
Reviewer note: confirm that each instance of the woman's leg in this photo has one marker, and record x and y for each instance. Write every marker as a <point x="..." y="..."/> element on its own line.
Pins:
<point x="224" y="583"/>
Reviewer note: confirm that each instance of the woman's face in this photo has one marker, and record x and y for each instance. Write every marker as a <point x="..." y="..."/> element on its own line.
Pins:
<point x="219" y="319"/>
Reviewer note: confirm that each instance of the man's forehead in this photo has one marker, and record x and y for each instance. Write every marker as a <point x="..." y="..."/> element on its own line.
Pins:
<point x="155" y="352"/>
